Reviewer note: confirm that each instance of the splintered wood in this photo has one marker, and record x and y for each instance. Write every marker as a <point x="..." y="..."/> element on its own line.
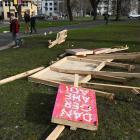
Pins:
<point x="89" y="68"/>
<point x="61" y="37"/>
<point x="75" y="107"/>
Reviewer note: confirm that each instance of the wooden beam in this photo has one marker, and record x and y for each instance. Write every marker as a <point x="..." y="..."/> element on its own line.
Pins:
<point x="76" y="80"/>
<point x="136" y="91"/>
<point x="21" y="75"/>
<point x="82" y="72"/>
<point x="107" y="95"/>
<point x="115" y="56"/>
<point x="56" y="132"/>
<point x="121" y="65"/>
<point x="108" y="87"/>
<point x="110" y="78"/>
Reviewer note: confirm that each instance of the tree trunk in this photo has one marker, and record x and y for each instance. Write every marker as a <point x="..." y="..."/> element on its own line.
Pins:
<point x="118" y="10"/>
<point x="18" y="9"/>
<point x="94" y="4"/>
<point x="69" y="10"/>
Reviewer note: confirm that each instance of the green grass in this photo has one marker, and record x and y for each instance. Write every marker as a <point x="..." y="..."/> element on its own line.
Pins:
<point x="25" y="108"/>
<point x="45" y="24"/>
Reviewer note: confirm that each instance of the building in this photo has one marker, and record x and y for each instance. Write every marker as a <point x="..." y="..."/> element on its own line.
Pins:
<point x="52" y="7"/>
<point x="6" y="8"/>
<point x="39" y="6"/>
<point x="108" y="6"/>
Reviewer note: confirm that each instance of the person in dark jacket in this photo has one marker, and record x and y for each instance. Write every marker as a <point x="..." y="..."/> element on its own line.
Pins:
<point x="27" y="21"/>
<point x="106" y="17"/>
<point x="14" y="28"/>
<point x="33" y="24"/>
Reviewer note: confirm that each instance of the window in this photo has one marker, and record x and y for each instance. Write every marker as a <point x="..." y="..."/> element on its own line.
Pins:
<point x="0" y="3"/>
<point x="55" y="8"/>
<point x="50" y="9"/>
<point x="50" y="3"/>
<point x="25" y="3"/>
<point x="46" y="4"/>
<point x="7" y="3"/>
<point x="55" y="3"/>
<point x="8" y="14"/>
<point x="46" y="8"/>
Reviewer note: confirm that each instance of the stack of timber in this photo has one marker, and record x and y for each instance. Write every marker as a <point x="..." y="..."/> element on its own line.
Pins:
<point x="84" y="52"/>
<point x="89" y="68"/>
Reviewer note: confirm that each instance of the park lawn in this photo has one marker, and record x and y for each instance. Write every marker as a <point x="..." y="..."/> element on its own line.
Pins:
<point x="40" y="24"/>
<point x="25" y="107"/>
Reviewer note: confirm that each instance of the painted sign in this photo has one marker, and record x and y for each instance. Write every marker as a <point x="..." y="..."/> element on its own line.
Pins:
<point x="76" y="104"/>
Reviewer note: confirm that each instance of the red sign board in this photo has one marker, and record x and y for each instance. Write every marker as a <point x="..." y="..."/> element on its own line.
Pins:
<point x="75" y="105"/>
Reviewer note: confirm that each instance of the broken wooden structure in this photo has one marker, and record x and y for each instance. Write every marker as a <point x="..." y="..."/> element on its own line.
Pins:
<point x="60" y="38"/>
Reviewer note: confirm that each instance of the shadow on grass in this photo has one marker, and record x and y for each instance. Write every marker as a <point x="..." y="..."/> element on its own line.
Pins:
<point x="39" y="109"/>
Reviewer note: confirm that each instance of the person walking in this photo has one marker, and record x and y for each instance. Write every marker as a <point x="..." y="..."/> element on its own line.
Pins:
<point x="33" y="24"/>
<point x="27" y="21"/>
<point x="106" y="17"/>
<point x="14" y="29"/>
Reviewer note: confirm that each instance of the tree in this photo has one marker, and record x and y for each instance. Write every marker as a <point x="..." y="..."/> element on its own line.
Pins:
<point x="118" y="12"/>
<point x="69" y="10"/>
<point x="94" y="5"/>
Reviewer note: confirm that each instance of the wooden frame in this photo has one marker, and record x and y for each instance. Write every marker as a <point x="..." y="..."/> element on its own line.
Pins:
<point x="53" y="78"/>
<point x="61" y="37"/>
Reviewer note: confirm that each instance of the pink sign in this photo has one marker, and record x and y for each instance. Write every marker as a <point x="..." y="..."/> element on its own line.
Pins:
<point x="76" y="104"/>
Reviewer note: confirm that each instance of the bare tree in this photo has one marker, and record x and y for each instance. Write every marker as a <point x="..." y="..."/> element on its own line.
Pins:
<point x="94" y="5"/>
<point x="68" y="2"/>
<point x="118" y="12"/>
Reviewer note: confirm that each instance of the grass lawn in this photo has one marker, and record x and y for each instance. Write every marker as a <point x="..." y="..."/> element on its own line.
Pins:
<point x="25" y="108"/>
<point x="45" y="24"/>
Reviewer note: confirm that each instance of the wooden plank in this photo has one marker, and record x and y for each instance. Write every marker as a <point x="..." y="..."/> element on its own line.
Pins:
<point x="107" y="95"/>
<point x="76" y="80"/>
<point x="121" y="65"/>
<point x="110" y="50"/>
<point x="108" y="87"/>
<point x="56" y="132"/>
<point x="110" y="78"/>
<point x="82" y="72"/>
<point x="136" y="91"/>
<point x="79" y="51"/>
<point x="115" y="56"/>
<point x="21" y="75"/>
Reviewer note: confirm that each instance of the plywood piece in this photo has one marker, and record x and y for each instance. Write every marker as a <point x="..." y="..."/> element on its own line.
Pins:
<point x="75" y="107"/>
<point x="61" y="37"/>
<point x="79" y="51"/>
<point x="53" y="78"/>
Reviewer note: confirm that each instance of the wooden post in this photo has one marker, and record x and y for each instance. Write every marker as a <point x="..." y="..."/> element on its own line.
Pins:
<point x="56" y="132"/>
<point x="21" y="75"/>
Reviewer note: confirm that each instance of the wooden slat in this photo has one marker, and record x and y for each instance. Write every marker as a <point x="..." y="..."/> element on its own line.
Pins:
<point x="56" y="132"/>
<point x="82" y="72"/>
<point x="110" y="78"/>
<point x="108" y="87"/>
<point x="21" y="75"/>
<point x="121" y="65"/>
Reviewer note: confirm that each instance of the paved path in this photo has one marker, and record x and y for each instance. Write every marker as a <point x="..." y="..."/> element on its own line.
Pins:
<point x="6" y="38"/>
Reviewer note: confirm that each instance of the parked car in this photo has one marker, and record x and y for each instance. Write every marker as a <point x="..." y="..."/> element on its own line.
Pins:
<point x="40" y="16"/>
<point x="135" y="16"/>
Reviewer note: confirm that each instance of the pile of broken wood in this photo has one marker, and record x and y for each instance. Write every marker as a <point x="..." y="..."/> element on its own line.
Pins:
<point x="89" y="68"/>
<point x="88" y="65"/>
